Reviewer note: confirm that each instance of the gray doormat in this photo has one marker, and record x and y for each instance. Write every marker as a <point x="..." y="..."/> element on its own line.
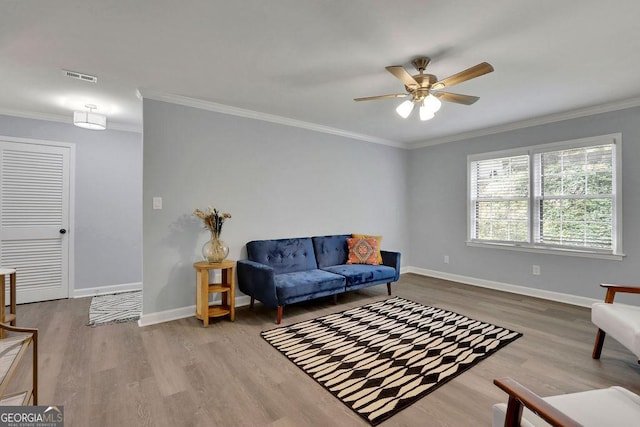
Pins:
<point x="115" y="308"/>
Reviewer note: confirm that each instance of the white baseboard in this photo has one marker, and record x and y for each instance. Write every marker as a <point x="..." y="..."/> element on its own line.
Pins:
<point x="179" y="313"/>
<point x="106" y="290"/>
<point x="166" y="316"/>
<point x="189" y="311"/>
<point x="405" y="269"/>
<point x="506" y="287"/>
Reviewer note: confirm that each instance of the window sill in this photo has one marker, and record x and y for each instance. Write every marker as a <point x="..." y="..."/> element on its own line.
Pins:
<point x="545" y="250"/>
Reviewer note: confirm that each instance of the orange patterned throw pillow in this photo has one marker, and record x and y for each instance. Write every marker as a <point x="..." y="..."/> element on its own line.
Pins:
<point x="378" y="239"/>
<point x="362" y="251"/>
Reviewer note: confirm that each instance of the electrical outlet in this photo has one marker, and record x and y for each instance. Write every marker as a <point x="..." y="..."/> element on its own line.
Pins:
<point x="446" y="259"/>
<point x="536" y="270"/>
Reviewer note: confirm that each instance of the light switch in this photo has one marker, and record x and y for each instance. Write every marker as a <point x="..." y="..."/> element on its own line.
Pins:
<point x="157" y="203"/>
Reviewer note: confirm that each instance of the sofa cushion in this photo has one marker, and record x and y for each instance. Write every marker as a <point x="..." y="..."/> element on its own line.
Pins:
<point x="294" y="285"/>
<point x="357" y="274"/>
<point x="362" y="251"/>
<point x="331" y="250"/>
<point x="283" y="255"/>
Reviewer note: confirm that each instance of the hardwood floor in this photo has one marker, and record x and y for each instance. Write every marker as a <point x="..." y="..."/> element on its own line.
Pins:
<point x="181" y="374"/>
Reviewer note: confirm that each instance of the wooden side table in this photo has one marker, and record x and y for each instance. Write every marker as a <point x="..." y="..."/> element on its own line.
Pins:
<point x="11" y="316"/>
<point x="227" y="289"/>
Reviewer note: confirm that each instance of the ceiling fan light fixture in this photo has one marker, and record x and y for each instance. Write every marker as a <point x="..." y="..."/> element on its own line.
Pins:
<point x="432" y="103"/>
<point x="426" y="113"/>
<point x="89" y="119"/>
<point x="405" y="109"/>
<point x="419" y="88"/>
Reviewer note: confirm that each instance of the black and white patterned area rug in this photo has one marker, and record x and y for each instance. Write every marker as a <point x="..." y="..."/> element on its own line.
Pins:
<point x="382" y="357"/>
<point x="116" y="308"/>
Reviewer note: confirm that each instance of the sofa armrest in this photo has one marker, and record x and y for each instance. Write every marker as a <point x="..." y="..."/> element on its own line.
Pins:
<point x="257" y="281"/>
<point x="612" y="289"/>
<point x="392" y="259"/>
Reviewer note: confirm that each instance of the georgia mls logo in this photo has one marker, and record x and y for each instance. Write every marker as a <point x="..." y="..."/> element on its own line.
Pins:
<point x="31" y="416"/>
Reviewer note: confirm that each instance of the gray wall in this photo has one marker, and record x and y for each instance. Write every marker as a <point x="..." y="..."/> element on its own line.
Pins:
<point x="437" y="210"/>
<point x="281" y="181"/>
<point x="108" y="196"/>
<point x="277" y="181"/>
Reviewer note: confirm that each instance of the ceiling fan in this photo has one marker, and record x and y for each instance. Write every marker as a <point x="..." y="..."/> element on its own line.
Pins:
<point x="424" y="88"/>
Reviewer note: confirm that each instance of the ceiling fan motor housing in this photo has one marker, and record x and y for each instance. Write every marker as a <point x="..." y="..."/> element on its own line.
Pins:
<point x="425" y="81"/>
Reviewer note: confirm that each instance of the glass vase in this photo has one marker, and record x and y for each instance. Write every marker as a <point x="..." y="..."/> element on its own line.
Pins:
<point x="215" y="250"/>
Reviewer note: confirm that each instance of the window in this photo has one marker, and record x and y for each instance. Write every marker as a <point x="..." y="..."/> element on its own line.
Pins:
<point x="561" y="196"/>
<point x="501" y="199"/>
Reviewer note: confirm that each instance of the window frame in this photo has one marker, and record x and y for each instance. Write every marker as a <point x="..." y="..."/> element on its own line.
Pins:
<point x="616" y="252"/>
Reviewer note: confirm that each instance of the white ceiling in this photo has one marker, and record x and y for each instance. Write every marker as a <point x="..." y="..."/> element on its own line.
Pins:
<point x="306" y="60"/>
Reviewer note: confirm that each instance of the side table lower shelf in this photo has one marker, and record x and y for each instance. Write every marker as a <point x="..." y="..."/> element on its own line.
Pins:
<point x="219" y="310"/>
<point x="226" y="289"/>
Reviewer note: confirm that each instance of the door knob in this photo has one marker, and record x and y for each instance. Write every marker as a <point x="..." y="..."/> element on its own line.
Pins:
<point x="63" y="231"/>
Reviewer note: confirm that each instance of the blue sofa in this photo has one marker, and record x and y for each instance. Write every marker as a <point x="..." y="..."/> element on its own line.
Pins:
<point x="285" y="271"/>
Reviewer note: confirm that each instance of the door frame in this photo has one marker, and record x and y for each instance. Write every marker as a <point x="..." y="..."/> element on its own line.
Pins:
<point x="72" y="197"/>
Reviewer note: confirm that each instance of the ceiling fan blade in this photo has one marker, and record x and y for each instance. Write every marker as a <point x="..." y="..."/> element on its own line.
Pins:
<point x="402" y="75"/>
<point x="463" y="76"/>
<point x="456" y="97"/>
<point x="373" y="98"/>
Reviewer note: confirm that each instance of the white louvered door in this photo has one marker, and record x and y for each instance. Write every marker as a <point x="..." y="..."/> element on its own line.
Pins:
<point x="34" y="218"/>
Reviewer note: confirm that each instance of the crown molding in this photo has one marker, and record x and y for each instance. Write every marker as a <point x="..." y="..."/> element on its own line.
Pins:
<point x="536" y="121"/>
<point x="111" y="125"/>
<point x="256" y="115"/>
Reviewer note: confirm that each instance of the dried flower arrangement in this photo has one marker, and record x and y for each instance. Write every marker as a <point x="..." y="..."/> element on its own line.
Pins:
<point x="213" y="220"/>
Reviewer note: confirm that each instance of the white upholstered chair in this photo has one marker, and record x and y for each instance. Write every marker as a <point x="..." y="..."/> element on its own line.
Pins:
<point x="613" y="406"/>
<point x="620" y="321"/>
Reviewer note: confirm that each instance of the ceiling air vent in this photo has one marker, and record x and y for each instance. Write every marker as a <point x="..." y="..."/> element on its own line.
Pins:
<point x="80" y="76"/>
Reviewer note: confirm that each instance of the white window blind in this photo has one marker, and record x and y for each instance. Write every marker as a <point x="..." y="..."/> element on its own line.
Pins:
<point x="560" y="196"/>
<point x="500" y="199"/>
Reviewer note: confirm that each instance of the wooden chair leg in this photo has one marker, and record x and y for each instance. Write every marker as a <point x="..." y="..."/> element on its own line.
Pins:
<point x="389" y="288"/>
<point x="251" y="302"/>
<point x="279" y="315"/>
<point x="514" y="413"/>
<point x="597" y="347"/>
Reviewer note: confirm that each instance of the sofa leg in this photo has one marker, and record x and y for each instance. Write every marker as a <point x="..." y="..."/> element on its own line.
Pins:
<point x="389" y="288"/>
<point x="597" y="347"/>
<point x="279" y="315"/>
<point x="251" y="303"/>
<point x="335" y="299"/>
